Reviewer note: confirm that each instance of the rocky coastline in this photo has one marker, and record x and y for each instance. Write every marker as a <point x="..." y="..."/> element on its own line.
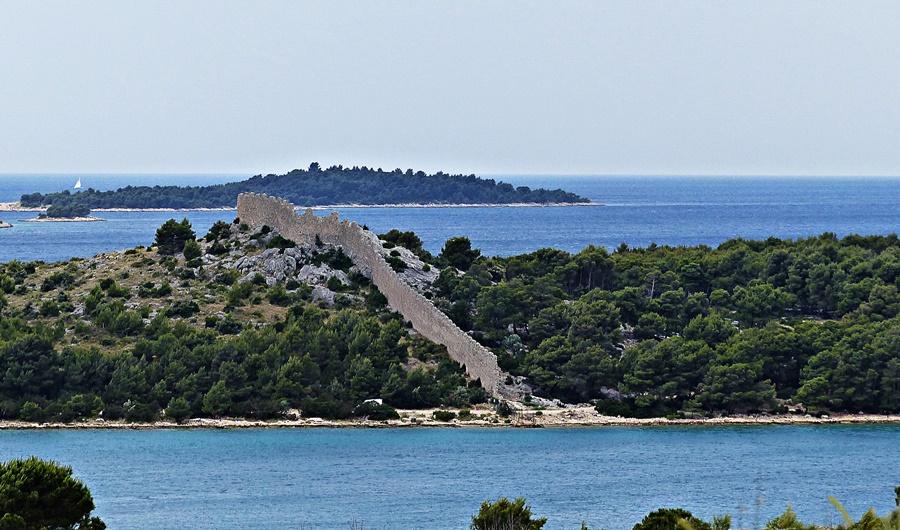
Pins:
<point x="566" y="417"/>
<point x="17" y="207"/>
<point x="88" y="219"/>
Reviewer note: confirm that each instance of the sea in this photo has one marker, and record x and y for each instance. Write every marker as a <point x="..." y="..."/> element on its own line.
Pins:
<point x="436" y="478"/>
<point x="637" y="211"/>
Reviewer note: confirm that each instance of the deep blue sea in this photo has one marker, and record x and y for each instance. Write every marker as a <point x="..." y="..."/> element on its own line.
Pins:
<point x="638" y="211"/>
<point x="437" y="478"/>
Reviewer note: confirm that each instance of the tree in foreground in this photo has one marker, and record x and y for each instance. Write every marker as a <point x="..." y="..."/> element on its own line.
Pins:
<point x="671" y="519"/>
<point x="172" y="236"/>
<point x="506" y="515"/>
<point x="37" y="494"/>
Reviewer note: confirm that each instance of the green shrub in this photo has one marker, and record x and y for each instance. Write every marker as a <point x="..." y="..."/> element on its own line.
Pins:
<point x="172" y="236"/>
<point x="32" y="412"/>
<point x="227" y="277"/>
<point x="506" y="515"/>
<point x="278" y="241"/>
<point x="238" y="293"/>
<point x="218" y="230"/>
<point x="191" y="249"/>
<point x="334" y="284"/>
<point x="667" y="519"/>
<point x="178" y="410"/>
<point x="278" y="295"/>
<point x="57" y="279"/>
<point x="504" y="410"/>
<point x="444" y="415"/>
<point x="183" y="309"/>
<point x="139" y="412"/>
<point x="376" y="412"/>
<point x="49" y="308"/>
<point x="326" y="407"/>
<point x="396" y="263"/>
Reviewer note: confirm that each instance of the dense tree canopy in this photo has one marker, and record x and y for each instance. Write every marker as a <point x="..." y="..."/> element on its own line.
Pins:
<point x="36" y="494"/>
<point x="172" y="237"/>
<point x="68" y="210"/>
<point x="661" y="330"/>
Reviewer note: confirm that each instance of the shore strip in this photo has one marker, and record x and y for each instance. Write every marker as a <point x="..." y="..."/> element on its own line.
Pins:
<point x="88" y="219"/>
<point x="562" y="418"/>
<point x="16" y="207"/>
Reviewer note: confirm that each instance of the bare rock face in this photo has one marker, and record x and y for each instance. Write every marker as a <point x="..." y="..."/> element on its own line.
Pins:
<point x="271" y="264"/>
<point x="415" y="274"/>
<point x="320" y="274"/>
<point x="282" y="265"/>
<point x="323" y="294"/>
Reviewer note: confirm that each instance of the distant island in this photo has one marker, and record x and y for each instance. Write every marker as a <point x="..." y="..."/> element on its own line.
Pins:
<point x="318" y="187"/>
<point x="73" y="211"/>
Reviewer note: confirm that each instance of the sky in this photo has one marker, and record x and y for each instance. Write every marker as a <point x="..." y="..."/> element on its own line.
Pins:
<point x="557" y="87"/>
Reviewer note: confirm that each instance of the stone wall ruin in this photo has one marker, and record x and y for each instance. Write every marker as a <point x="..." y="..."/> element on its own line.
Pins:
<point x="364" y="248"/>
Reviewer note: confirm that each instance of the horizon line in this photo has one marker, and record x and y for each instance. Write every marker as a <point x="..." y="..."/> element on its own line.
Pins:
<point x="575" y="175"/>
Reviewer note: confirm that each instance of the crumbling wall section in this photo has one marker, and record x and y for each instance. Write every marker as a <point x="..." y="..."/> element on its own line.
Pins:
<point x="363" y="247"/>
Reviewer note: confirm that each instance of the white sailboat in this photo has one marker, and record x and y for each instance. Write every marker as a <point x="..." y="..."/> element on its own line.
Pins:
<point x="78" y="185"/>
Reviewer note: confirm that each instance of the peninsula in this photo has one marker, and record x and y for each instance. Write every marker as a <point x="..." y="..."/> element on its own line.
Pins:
<point x="316" y="186"/>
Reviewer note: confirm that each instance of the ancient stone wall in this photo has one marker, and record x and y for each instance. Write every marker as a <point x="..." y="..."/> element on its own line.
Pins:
<point x="363" y="247"/>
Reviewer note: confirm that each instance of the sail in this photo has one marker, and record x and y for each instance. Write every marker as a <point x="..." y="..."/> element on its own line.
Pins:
<point x="78" y="184"/>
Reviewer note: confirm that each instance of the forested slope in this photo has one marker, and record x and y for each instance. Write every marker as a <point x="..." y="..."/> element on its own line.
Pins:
<point x="747" y="326"/>
<point x="186" y="329"/>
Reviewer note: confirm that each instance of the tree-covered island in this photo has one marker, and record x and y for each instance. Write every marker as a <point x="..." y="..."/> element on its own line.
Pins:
<point x="72" y="210"/>
<point x="315" y="187"/>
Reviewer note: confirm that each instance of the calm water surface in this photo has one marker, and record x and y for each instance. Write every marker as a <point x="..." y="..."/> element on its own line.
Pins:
<point x="437" y="478"/>
<point x="638" y="211"/>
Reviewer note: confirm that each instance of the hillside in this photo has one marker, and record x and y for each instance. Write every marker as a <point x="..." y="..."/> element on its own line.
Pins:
<point x="238" y="324"/>
<point x="748" y="327"/>
<point x="316" y="186"/>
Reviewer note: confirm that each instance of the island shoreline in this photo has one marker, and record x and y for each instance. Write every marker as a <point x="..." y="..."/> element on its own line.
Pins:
<point x="16" y="207"/>
<point x="88" y="219"/>
<point x="522" y="420"/>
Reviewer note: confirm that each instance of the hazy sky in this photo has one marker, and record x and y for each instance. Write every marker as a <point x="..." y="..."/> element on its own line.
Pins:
<point x="803" y="88"/>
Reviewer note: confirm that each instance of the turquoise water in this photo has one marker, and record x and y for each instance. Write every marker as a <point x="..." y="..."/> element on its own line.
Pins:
<point x="436" y="478"/>
<point x="638" y="211"/>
